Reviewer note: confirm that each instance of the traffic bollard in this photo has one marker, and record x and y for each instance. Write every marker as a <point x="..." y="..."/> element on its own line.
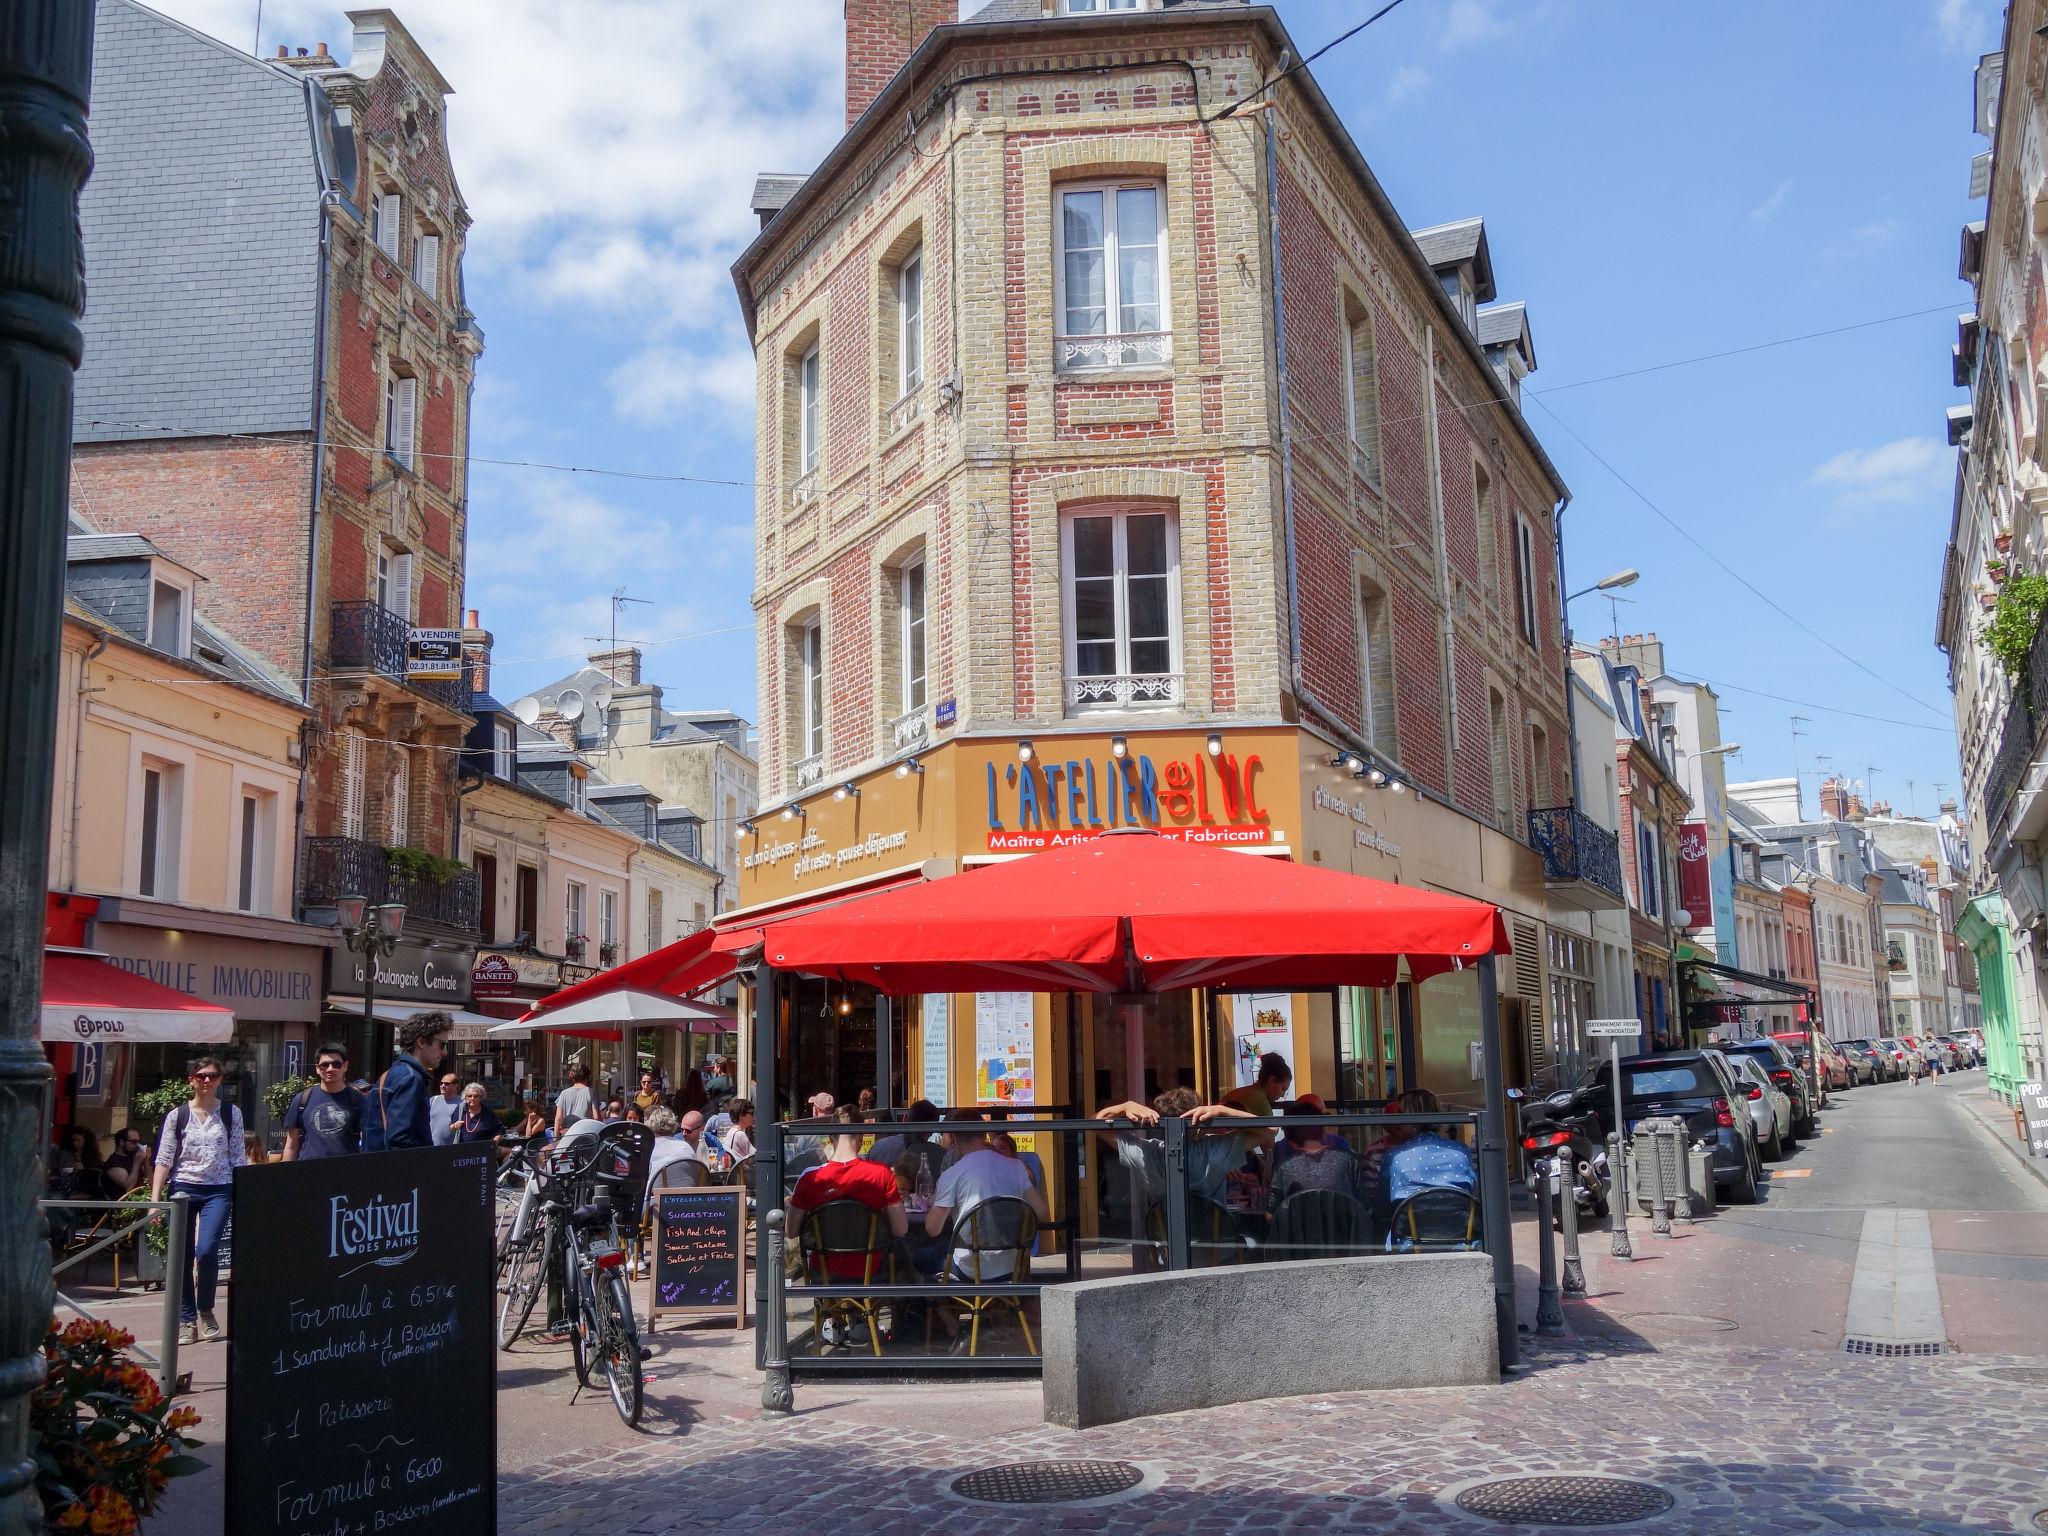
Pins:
<point x="1571" y="1269"/>
<point x="1549" y="1309"/>
<point x="1618" y="1196"/>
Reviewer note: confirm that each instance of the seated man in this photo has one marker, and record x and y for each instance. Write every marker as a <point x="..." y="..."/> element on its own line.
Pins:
<point x="979" y="1174"/>
<point x="1213" y="1152"/>
<point x="674" y="1145"/>
<point x="846" y="1175"/>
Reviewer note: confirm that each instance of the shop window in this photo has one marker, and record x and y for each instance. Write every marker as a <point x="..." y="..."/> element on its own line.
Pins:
<point x="1109" y="276"/>
<point x="486" y="866"/>
<point x="1122" y="610"/>
<point x="161" y="814"/>
<point x="1376" y="668"/>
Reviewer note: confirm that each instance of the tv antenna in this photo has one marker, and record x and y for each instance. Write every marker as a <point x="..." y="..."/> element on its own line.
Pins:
<point x="619" y="601"/>
<point x="1870" y="773"/>
<point x="1797" y="776"/>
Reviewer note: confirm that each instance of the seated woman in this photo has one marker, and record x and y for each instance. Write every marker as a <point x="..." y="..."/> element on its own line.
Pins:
<point x="1412" y="1158"/>
<point x="1312" y="1163"/>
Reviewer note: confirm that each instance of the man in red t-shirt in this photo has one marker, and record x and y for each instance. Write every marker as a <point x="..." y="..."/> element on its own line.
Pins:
<point x="844" y="1175"/>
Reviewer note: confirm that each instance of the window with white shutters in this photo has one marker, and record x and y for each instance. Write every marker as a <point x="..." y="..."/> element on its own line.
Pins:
<point x="398" y="804"/>
<point x="426" y="263"/>
<point x="1525" y="579"/>
<point x="394" y="581"/>
<point x="353" y="783"/>
<point x="385" y="219"/>
<point x="401" y="396"/>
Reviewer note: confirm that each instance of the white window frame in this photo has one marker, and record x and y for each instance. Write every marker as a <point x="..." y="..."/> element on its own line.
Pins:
<point x="1356" y="428"/>
<point x="1525" y="578"/>
<point x="398" y="800"/>
<point x="394" y="580"/>
<point x="159" y="868"/>
<point x="1095" y="7"/>
<point x="1112" y="299"/>
<point x="607" y="916"/>
<point x="910" y="323"/>
<point x="179" y="641"/>
<point x="256" y="854"/>
<point x="579" y="791"/>
<point x="574" y="903"/>
<point x="426" y="262"/>
<point x="913" y="626"/>
<point x="387" y="219"/>
<point x="810" y="664"/>
<point x="501" y="750"/>
<point x="401" y="417"/>
<point x="810" y="395"/>
<point x="1120" y="545"/>
<point x="354" y="782"/>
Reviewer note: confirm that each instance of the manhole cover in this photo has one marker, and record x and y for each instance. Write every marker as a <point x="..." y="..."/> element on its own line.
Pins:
<point x="1565" y="1501"/>
<point x="1048" y="1482"/>
<point x="2041" y="1518"/>
<point x="2025" y="1375"/>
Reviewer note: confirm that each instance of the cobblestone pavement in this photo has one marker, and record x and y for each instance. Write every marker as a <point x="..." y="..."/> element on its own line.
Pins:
<point x="1783" y="1441"/>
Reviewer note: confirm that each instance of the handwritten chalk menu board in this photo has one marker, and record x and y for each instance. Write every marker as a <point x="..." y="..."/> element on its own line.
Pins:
<point x="2034" y="1117"/>
<point x="700" y="1253"/>
<point x="362" y="1386"/>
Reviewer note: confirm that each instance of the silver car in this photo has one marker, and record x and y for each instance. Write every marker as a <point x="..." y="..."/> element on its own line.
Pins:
<point x="1770" y="1111"/>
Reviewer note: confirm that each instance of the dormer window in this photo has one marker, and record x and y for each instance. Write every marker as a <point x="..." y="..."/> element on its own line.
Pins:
<point x="579" y="792"/>
<point x="170" y="616"/>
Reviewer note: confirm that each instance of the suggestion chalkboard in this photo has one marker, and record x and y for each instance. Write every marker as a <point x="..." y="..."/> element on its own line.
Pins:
<point x="362" y="1377"/>
<point x="2034" y="1118"/>
<point x="700" y="1252"/>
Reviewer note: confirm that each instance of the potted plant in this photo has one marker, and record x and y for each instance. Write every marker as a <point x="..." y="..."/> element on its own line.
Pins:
<point x="2003" y="541"/>
<point x="572" y="946"/>
<point x="2017" y="610"/>
<point x="608" y="952"/>
<point x="104" y="1440"/>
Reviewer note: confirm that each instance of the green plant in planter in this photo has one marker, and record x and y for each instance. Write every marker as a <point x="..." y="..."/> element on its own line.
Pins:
<point x="2016" y="619"/>
<point x="418" y="864"/>
<point x="156" y="1104"/>
<point x="277" y="1098"/>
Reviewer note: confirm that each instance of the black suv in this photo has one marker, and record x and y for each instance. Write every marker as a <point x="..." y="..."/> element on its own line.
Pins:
<point x="1783" y="1067"/>
<point x="1697" y="1086"/>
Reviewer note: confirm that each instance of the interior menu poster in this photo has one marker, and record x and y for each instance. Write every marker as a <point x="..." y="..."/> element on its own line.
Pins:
<point x="362" y="1370"/>
<point x="1002" y="1047"/>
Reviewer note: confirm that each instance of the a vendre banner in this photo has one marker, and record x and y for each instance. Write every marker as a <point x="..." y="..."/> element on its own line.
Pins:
<point x="1695" y="874"/>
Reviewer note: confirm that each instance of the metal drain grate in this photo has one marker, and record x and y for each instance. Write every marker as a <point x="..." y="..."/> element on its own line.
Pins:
<point x="1856" y="1346"/>
<point x="2025" y="1375"/>
<point x="1565" y="1501"/>
<point x="1048" y="1482"/>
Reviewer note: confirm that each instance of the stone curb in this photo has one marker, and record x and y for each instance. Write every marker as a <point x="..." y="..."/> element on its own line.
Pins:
<point x="2002" y="1135"/>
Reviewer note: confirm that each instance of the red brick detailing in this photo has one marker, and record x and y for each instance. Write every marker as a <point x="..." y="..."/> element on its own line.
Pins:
<point x="849" y="382"/>
<point x="1106" y="99"/>
<point x="351" y="472"/>
<point x="1065" y="395"/>
<point x="1144" y="97"/>
<point x="849" y="656"/>
<point x="1204" y="179"/>
<point x="1183" y="95"/>
<point x="358" y="395"/>
<point x="1212" y="404"/>
<point x="1419" y="694"/>
<point x="1028" y="104"/>
<point x="435" y="609"/>
<point x="439" y="525"/>
<point x="1019" y="411"/>
<point x="881" y="35"/>
<point x="1066" y="101"/>
<point x="1222" y="637"/>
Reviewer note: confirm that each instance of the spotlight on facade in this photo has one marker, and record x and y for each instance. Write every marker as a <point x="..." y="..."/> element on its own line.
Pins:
<point x="1119" y="747"/>
<point x="748" y="829"/>
<point x="792" y="811"/>
<point x="1348" y="762"/>
<point x="847" y="791"/>
<point x="1215" y="744"/>
<point x="1397" y="786"/>
<point x="907" y="767"/>
<point x="1024" y="751"/>
<point x="1377" y="778"/>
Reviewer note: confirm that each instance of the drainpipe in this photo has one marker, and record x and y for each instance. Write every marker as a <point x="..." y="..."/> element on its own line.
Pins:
<point x="1447" y="620"/>
<point x="78" y="759"/>
<point x="1564" y="623"/>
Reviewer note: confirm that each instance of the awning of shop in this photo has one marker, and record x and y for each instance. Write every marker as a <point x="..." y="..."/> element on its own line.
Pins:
<point x="1132" y="911"/>
<point x="86" y="999"/>
<point x="468" y="1026"/>
<point x="609" y="1015"/>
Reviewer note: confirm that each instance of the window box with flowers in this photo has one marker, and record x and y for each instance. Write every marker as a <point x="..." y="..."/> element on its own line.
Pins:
<point x="575" y="945"/>
<point x="608" y="952"/>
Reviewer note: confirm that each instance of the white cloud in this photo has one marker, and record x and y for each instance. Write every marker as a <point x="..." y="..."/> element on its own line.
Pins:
<point x="669" y="383"/>
<point x="1963" y="25"/>
<point x="1766" y="210"/>
<point x="1408" y="82"/>
<point x="1468" y="23"/>
<point x="1902" y="470"/>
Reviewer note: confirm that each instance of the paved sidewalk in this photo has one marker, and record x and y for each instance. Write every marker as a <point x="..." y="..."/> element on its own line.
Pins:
<point x="1995" y="1115"/>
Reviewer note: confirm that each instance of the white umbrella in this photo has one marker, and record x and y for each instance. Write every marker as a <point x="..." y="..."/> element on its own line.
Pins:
<point x="614" y="1010"/>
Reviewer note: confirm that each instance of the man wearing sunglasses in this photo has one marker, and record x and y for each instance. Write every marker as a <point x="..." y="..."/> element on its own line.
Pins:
<point x="197" y="1155"/>
<point x="325" y="1120"/>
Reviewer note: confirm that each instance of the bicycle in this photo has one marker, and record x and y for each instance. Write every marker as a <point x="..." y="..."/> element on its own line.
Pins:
<point x="516" y="1194"/>
<point x="587" y="1193"/>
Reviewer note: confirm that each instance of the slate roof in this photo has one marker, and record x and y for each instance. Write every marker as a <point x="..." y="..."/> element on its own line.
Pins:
<point x="774" y="188"/>
<point x="202" y="228"/>
<point x="670" y="727"/>
<point x="213" y="651"/>
<point x="1454" y="244"/>
<point x="82" y="548"/>
<point x="1506" y="325"/>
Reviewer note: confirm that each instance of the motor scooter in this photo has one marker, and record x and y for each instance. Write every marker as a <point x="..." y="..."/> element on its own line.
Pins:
<point x="1562" y="1131"/>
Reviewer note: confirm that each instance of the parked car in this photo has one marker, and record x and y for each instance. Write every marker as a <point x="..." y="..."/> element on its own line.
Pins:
<point x="1770" y="1110"/>
<point x="1813" y="1059"/>
<point x="1863" y="1061"/>
<point x="1783" y="1069"/>
<point x="1697" y="1085"/>
<point x="1965" y="1055"/>
<point x="1895" y="1051"/>
<point x="1841" y="1078"/>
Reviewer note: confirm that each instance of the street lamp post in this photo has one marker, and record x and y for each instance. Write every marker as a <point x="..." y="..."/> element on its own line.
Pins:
<point x="1626" y="577"/>
<point x="45" y="72"/>
<point x="373" y="940"/>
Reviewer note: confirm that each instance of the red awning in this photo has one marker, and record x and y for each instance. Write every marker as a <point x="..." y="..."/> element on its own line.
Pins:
<point x="87" y="999"/>
<point x="1135" y="911"/>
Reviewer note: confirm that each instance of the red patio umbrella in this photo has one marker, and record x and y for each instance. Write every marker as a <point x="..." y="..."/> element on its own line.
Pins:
<point x="694" y="962"/>
<point x="1131" y="911"/>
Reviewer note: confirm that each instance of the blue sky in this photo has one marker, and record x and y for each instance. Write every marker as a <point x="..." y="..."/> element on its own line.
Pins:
<point x="1658" y="183"/>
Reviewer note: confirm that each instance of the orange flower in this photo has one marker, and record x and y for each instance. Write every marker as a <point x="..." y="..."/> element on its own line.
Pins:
<point x="112" y="1515"/>
<point x="71" y="1518"/>
<point x="183" y="1418"/>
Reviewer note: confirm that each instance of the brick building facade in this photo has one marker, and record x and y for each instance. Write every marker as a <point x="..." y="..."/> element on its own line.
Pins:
<point x="295" y="427"/>
<point x="1091" y="414"/>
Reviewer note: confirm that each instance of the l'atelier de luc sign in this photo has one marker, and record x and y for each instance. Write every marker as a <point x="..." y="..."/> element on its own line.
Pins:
<point x="1044" y="800"/>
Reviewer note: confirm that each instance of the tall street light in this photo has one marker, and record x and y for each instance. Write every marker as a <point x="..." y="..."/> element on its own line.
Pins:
<point x="45" y="72"/>
<point x="373" y="941"/>
<point x="1626" y="577"/>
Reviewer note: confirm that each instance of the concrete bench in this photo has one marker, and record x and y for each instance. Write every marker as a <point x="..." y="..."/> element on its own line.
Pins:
<point x="1134" y="1345"/>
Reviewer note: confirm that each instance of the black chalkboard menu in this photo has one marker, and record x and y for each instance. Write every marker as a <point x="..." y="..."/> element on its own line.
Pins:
<point x="362" y="1377"/>
<point x="700" y="1262"/>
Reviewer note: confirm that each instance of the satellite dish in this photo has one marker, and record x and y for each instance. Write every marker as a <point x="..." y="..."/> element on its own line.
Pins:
<point x="527" y="710"/>
<point x="569" y="703"/>
<point x="600" y="701"/>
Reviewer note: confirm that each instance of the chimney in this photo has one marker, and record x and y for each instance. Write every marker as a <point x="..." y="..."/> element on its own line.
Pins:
<point x="1834" y="800"/>
<point x="1948" y="806"/>
<point x="881" y="35"/>
<point x="559" y="726"/>
<point x="320" y="58"/>
<point x="476" y="654"/>
<point x="622" y="666"/>
<point x="1644" y="652"/>
<point x="636" y="714"/>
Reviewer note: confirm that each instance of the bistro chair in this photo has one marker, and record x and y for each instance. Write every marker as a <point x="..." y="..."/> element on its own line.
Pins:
<point x="1003" y="1226"/>
<point x="1434" y="1221"/>
<point x="1214" y="1236"/>
<point x="842" y="1229"/>
<point x="685" y="1173"/>
<point x="1318" y="1224"/>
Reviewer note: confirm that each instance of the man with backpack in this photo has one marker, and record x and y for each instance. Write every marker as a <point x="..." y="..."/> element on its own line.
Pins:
<point x="398" y="1106"/>
<point x="326" y="1120"/>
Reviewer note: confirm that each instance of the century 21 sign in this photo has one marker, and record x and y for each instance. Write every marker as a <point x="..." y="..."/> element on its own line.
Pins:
<point x="1204" y="797"/>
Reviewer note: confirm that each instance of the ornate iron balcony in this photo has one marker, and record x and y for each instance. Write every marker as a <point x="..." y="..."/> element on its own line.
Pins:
<point x="1131" y="690"/>
<point x="368" y="637"/>
<point x="1576" y="848"/>
<point x="2009" y="767"/>
<point x="911" y="730"/>
<point x="1136" y="349"/>
<point x="348" y="866"/>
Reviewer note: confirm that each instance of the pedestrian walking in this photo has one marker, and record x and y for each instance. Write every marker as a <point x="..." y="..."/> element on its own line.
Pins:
<point x="398" y="1109"/>
<point x="197" y="1153"/>
<point x="1916" y="1066"/>
<point x="325" y="1120"/>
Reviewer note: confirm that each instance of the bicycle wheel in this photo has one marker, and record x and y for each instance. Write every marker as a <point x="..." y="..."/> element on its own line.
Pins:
<point x="583" y="1336"/>
<point x="524" y="1274"/>
<point x="621" y="1337"/>
<point x="508" y="1201"/>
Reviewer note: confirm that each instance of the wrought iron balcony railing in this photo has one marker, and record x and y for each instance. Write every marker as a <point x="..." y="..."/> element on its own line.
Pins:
<point x="368" y="637"/>
<point x="1576" y="847"/>
<point x="2009" y="766"/>
<point x="348" y="866"/>
<point x="1136" y="690"/>
<point x="1134" y="349"/>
